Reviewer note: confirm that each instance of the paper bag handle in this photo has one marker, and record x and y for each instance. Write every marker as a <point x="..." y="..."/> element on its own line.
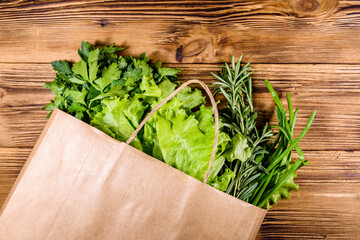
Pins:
<point x="216" y="116"/>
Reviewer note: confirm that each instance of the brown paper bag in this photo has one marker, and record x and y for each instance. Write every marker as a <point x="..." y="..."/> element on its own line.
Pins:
<point x="79" y="183"/>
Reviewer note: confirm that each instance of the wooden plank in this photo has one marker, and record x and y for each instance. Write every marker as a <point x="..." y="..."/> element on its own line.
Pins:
<point x="295" y="31"/>
<point x="11" y="162"/>
<point x="319" y="210"/>
<point x="326" y="207"/>
<point x="314" y="216"/>
<point x="332" y="89"/>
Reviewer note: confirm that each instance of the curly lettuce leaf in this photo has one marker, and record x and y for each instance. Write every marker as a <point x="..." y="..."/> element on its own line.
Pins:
<point x="191" y="99"/>
<point x="150" y="140"/>
<point x="284" y="191"/>
<point x="119" y="118"/>
<point x="182" y="138"/>
<point x="239" y="150"/>
<point x="166" y="87"/>
<point x="149" y="87"/>
<point x="222" y="182"/>
<point x="183" y="144"/>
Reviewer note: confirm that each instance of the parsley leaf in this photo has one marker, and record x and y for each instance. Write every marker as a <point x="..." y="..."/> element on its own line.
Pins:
<point x="93" y="64"/>
<point x="62" y="67"/>
<point x="80" y="68"/>
<point x="165" y="71"/>
<point x="109" y="75"/>
<point x="84" y="51"/>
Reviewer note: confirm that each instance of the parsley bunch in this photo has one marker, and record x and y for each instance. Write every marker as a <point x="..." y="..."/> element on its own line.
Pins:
<point x="100" y="74"/>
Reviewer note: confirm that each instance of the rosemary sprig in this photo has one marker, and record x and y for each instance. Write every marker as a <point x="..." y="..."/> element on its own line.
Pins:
<point x="235" y="84"/>
<point x="269" y="166"/>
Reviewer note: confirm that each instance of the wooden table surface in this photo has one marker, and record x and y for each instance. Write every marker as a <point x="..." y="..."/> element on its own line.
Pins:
<point x="310" y="48"/>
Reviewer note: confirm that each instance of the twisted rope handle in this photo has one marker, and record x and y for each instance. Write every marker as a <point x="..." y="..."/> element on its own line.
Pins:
<point x="216" y="116"/>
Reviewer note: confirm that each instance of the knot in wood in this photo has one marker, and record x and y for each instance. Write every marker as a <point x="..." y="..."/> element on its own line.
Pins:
<point x="313" y="8"/>
<point x="191" y="49"/>
<point x="305" y="6"/>
<point x="2" y="93"/>
<point x="179" y="56"/>
<point x="103" y="22"/>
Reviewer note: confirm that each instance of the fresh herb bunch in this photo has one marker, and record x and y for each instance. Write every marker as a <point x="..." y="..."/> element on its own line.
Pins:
<point x="101" y="74"/>
<point x="114" y="93"/>
<point x="267" y="174"/>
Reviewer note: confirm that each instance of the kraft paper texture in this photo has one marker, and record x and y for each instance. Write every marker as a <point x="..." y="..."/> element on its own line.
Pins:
<point x="79" y="183"/>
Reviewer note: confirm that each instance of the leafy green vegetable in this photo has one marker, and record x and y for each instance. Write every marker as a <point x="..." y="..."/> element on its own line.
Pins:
<point x="62" y="67"/>
<point x="186" y="140"/>
<point x="114" y="93"/>
<point x="80" y="68"/>
<point x="223" y="181"/>
<point x="240" y="149"/>
<point x="164" y="71"/>
<point x="119" y="118"/>
<point x="191" y="98"/>
<point x="109" y="75"/>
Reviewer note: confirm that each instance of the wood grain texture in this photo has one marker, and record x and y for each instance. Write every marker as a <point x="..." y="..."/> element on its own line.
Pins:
<point x="192" y="32"/>
<point x="309" y="48"/>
